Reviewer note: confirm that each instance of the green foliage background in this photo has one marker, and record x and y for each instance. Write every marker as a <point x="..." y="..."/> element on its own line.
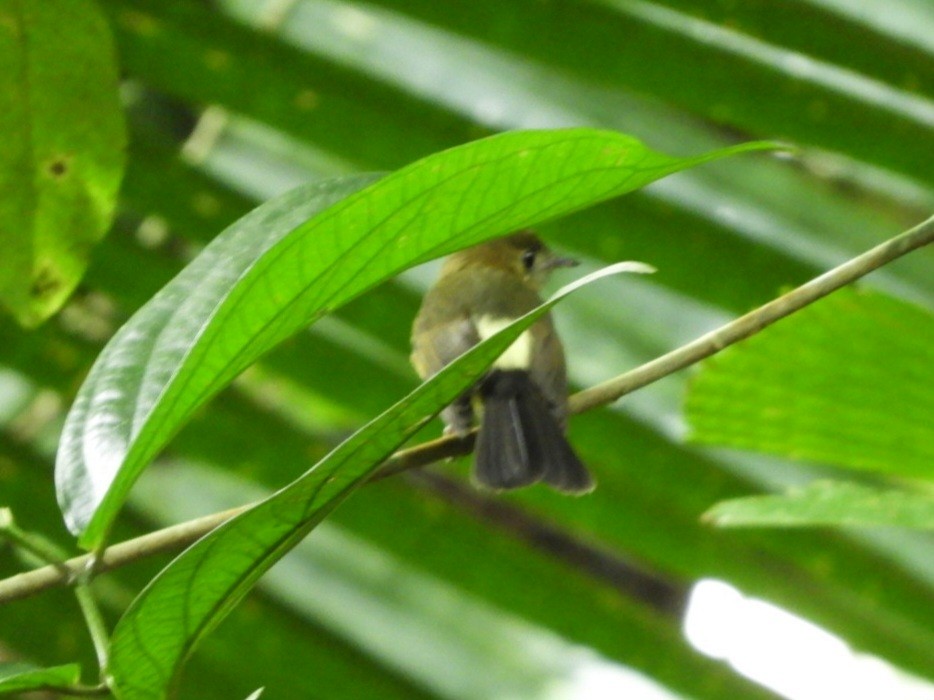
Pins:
<point x="419" y="587"/>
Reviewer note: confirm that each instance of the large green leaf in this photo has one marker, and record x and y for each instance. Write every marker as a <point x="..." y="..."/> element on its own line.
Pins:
<point x="241" y="297"/>
<point x="828" y="503"/>
<point x="61" y="155"/>
<point x="846" y="381"/>
<point x="130" y="378"/>
<point x="190" y="597"/>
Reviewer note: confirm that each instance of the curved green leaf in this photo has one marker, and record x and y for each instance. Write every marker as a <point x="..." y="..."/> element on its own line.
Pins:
<point x="239" y="299"/>
<point x="197" y="590"/>
<point x="130" y="376"/>
<point x="61" y="155"/>
<point x="828" y="503"/>
<point x="846" y="381"/>
<point x="22" y="678"/>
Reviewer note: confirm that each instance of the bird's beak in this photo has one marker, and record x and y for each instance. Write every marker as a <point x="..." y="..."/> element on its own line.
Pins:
<point x="562" y="262"/>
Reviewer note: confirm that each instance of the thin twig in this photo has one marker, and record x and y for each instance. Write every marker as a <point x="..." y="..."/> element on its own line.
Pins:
<point x="41" y="550"/>
<point x="65" y="573"/>
<point x="94" y="621"/>
<point x="753" y="322"/>
<point x="177" y="536"/>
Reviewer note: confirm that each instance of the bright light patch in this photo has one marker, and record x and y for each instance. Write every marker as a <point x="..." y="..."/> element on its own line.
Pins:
<point x="600" y="680"/>
<point x="786" y="653"/>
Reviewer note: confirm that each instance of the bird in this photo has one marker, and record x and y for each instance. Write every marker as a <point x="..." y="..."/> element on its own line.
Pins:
<point x="522" y="400"/>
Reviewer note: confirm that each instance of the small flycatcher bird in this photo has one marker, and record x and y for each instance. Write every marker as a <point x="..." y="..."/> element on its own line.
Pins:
<point x="523" y="399"/>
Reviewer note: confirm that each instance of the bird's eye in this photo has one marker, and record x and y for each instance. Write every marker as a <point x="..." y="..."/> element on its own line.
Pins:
<point x="528" y="260"/>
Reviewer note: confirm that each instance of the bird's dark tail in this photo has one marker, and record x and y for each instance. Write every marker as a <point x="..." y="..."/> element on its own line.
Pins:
<point x="520" y="441"/>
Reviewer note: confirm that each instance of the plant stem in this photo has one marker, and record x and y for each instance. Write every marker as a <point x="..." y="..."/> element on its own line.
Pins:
<point x="94" y="621"/>
<point x="81" y="691"/>
<point x="36" y="545"/>
<point x="51" y="554"/>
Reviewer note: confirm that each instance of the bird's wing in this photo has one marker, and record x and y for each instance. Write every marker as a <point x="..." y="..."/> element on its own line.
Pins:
<point x="548" y="368"/>
<point x="442" y="344"/>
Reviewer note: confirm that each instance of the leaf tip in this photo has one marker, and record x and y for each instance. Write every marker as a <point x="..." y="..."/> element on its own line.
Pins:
<point x="614" y="269"/>
<point x="713" y="517"/>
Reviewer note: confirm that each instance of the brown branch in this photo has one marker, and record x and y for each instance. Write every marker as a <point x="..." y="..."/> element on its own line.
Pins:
<point x="178" y="536"/>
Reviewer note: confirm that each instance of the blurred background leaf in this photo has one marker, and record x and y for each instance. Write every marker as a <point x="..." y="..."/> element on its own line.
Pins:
<point x="21" y="678"/>
<point x="847" y="381"/>
<point x="829" y="503"/>
<point x="62" y="155"/>
<point x="232" y="102"/>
